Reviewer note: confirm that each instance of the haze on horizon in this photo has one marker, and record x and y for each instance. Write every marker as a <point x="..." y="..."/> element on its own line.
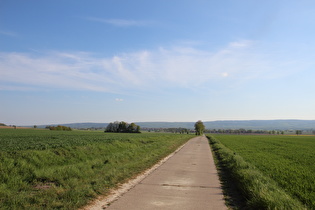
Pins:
<point x="147" y="61"/>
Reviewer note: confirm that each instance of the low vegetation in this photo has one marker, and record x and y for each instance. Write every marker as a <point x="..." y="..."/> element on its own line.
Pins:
<point x="272" y="172"/>
<point x="43" y="169"/>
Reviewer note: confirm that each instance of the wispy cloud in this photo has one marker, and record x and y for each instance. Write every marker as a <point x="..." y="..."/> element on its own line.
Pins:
<point x="8" y="33"/>
<point x="180" y="67"/>
<point x="119" y="22"/>
<point x="225" y="74"/>
<point x="241" y="44"/>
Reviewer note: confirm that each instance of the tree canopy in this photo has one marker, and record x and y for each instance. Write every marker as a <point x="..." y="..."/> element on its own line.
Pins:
<point x="199" y="127"/>
<point x="122" y="127"/>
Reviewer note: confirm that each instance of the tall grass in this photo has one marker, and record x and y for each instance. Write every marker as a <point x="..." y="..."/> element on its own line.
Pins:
<point x="52" y="169"/>
<point x="260" y="191"/>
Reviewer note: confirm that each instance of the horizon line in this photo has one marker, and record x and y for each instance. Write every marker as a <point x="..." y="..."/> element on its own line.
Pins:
<point x="157" y="122"/>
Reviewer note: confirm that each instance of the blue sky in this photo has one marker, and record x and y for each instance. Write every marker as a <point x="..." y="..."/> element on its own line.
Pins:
<point x="101" y="61"/>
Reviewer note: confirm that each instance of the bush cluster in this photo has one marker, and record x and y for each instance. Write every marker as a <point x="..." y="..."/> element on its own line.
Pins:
<point x="122" y="127"/>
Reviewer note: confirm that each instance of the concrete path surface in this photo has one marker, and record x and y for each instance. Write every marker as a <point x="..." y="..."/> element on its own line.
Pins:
<point x="188" y="180"/>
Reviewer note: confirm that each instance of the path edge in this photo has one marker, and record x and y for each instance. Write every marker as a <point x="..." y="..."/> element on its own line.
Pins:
<point x="102" y="202"/>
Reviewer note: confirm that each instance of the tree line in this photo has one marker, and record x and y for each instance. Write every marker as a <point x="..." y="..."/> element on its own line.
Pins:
<point x="59" y="128"/>
<point x="169" y="130"/>
<point x="199" y="129"/>
<point x="122" y="127"/>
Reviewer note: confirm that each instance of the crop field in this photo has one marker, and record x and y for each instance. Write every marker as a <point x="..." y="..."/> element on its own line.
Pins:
<point x="288" y="160"/>
<point x="42" y="169"/>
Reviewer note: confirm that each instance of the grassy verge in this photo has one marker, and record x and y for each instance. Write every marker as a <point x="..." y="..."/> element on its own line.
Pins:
<point x="259" y="191"/>
<point x="64" y="170"/>
<point x="287" y="160"/>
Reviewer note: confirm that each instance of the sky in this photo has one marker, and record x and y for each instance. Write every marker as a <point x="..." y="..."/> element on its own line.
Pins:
<point x="67" y="61"/>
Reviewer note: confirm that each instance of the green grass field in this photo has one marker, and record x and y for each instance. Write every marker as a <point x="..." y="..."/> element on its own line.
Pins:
<point x="286" y="160"/>
<point x="42" y="169"/>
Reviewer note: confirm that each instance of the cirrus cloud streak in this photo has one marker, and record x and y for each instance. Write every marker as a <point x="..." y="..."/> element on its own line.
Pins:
<point x="179" y="67"/>
<point x="119" y="22"/>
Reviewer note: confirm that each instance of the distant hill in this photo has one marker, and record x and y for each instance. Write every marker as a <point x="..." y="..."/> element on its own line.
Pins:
<point x="79" y="125"/>
<point x="237" y="124"/>
<point x="224" y="124"/>
<point x="166" y="124"/>
<point x="262" y="124"/>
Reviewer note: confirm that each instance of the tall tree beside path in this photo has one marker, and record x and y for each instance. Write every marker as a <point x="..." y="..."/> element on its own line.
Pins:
<point x="199" y="127"/>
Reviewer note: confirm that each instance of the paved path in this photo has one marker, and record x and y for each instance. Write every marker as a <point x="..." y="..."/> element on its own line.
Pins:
<point x="188" y="180"/>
